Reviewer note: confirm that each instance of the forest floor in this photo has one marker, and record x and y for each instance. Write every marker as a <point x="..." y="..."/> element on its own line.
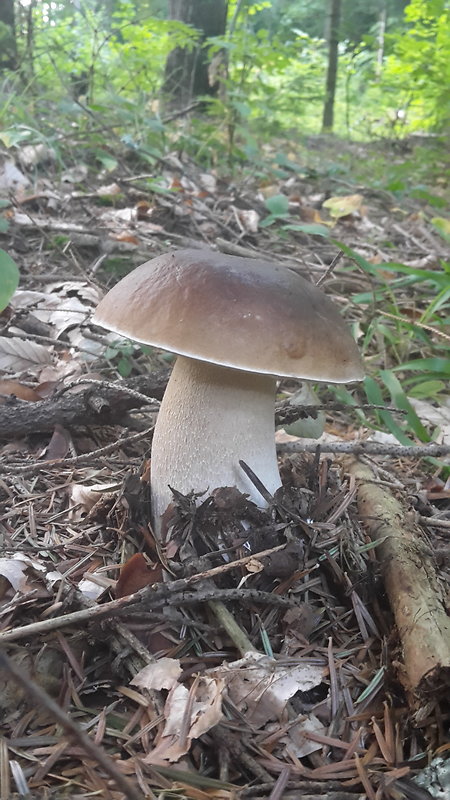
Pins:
<point x="319" y="669"/>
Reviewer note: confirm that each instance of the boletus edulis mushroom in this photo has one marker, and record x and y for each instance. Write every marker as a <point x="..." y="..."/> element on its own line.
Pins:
<point x="236" y="324"/>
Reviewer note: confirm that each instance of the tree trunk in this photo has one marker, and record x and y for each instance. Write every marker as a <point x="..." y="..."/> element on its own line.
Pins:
<point x="186" y="73"/>
<point x="8" y="49"/>
<point x="333" y="42"/>
<point x="380" y="39"/>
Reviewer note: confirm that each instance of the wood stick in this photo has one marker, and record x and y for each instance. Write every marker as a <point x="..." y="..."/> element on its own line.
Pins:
<point x="415" y="593"/>
<point x="114" y="606"/>
<point x="368" y="448"/>
<point x="92" y="403"/>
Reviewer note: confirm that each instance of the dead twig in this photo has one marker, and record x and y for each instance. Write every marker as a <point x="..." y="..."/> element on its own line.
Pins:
<point x="359" y="448"/>
<point x="76" y="461"/>
<point x="148" y="594"/>
<point x="330" y="268"/>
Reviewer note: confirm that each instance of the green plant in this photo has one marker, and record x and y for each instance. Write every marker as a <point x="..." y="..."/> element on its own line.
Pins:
<point x="9" y="279"/>
<point x="121" y="354"/>
<point x="407" y="355"/>
<point x="420" y="66"/>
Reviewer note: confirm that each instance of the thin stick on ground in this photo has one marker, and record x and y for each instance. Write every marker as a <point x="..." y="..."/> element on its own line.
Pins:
<point x="77" y="461"/>
<point x="228" y="622"/>
<point x="367" y="448"/>
<point x="112" y="608"/>
<point x="416" y="596"/>
<point x="71" y="728"/>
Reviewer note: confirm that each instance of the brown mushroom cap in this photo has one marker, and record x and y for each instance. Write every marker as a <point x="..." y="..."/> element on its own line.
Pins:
<point x="243" y="313"/>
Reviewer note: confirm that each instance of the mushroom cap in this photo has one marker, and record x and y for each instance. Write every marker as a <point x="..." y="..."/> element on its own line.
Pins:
<point x="244" y="313"/>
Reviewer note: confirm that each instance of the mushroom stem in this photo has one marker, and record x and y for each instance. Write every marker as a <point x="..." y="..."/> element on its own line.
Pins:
<point x="210" y="418"/>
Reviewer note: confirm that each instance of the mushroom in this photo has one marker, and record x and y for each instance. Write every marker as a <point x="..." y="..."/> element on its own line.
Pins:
<point x="236" y="324"/>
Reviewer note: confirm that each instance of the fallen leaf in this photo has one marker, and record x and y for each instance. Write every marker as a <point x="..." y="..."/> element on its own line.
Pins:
<point x="125" y="237"/>
<point x="343" y="206"/>
<point x="19" y="355"/>
<point x="76" y="174"/>
<point x="11" y="177"/>
<point x="94" y="584"/>
<point x="8" y="388"/>
<point x="33" y="154"/>
<point x="109" y="191"/>
<point x="59" y="444"/>
<point x="249" y="219"/>
<point x="14" y="572"/>
<point x="437" y="416"/>
<point x="260" y="687"/>
<point x="297" y="739"/>
<point x="162" y="674"/>
<point x="83" y="498"/>
<point x="13" y="569"/>
<point x="135" y="574"/>
<point x="254" y="565"/>
<point x="208" y="181"/>
<point x="309" y="214"/>
<point x="189" y="714"/>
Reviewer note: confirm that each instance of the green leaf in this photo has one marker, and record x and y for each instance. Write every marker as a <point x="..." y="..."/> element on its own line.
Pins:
<point x="395" y="186"/>
<point x="106" y="160"/>
<point x="436" y="364"/>
<point x="438" y="278"/>
<point x="14" y="135"/>
<point x="124" y="366"/>
<point x="432" y="199"/>
<point x="436" y="304"/>
<point x="4" y="225"/>
<point x="442" y="226"/>
<point x="313" y="228"/>
<point x="278" y="205"/>
<point x="375" y="396"/>
<point x="9" y="279"/>
<point x="401" y="401"/>
<point x="426" y="389"/>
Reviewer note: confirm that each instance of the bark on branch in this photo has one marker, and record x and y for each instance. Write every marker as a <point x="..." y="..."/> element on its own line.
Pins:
<point x="89" y="404"/>
<point x="415" y="593"/>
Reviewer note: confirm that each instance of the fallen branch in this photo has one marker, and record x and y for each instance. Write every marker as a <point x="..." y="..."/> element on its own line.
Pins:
<point x="153" y="595"/>
<point x="95" y="403"/>
<point x="359" y="448"/>
<point x="415" y="593"/>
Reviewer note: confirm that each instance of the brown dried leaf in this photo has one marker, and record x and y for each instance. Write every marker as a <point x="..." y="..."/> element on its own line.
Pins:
<point x="163" y="674"/>
<point x="19" y="390"/>
<point x="260" y="687"/>
<point x="59" y="444"/>
<point x="189" y="714"/>
<point x="135" y="574"/>
<point x="83" y="498"/>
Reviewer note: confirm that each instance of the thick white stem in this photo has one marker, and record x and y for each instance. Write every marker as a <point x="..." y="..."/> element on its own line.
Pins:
<point x="210" y="418"/>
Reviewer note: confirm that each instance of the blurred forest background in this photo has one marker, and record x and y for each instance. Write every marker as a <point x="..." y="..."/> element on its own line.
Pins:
<point x="267" y="69"/>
